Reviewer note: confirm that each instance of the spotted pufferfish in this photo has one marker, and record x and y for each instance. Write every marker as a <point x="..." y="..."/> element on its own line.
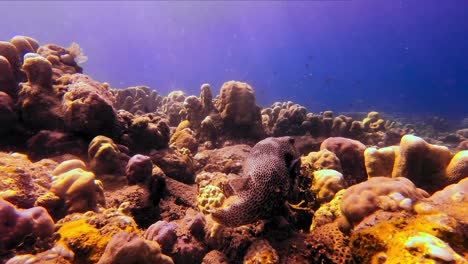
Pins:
<point x="271" y="172"/>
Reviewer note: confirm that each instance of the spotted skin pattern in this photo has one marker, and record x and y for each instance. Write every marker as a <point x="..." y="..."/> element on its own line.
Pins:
<point x="271" y="167"/>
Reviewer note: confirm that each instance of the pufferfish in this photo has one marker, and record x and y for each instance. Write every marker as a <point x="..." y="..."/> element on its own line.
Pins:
<point x="271" y="171"/>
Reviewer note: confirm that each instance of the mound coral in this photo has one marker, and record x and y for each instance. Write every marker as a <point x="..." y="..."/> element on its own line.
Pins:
<point x="379" y="162"/>
<point x="184" y="138"/>
<point x="77" y="191"/>
<point x="175" y="165"/>
<point x="105" y="156"/>
<point x="139" y="169"/>
<point x="8" y="115"/>
<point x="321" y="160"/>
<point x="422" y="163"/>
<point x="172" y="106"/>
<point x="241" y="116"/>
<point x="88" y="108"/>
<point x="351" y="155"/>
<point x="164" y="233"/>
<point x="326" y="183"/>
<point x="38" y="101"/>
<point x="17" y="224"/>
<point x="147" y="133"/>
<point x="271" y="167"/>
<point x="127" y="247"/>
<point x="137" y="100"/>
<point x="388" y="194"/>
<point x="48" y="143"/>
<point x="61" y="59"/>
<point x="457" y="169"/>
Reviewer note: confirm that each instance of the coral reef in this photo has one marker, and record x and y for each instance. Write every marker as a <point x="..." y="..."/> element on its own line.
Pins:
<point x="130" y="176"/>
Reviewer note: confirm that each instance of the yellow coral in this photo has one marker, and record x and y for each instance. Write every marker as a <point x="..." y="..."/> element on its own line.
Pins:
<point x="210" y="197"/>
<point x="261" y="252"/>
<point x="379" y="162"/>
<point x="87" y="241"/>
<point x="420" y="239"/>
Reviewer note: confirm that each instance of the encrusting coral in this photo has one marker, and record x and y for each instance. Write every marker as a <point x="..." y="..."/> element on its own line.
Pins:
<point x="388" y="194"/>
<point x="271" y="167"/>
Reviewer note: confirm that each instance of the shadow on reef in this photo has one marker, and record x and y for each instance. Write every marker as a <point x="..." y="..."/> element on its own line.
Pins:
<point x="92" y="174"/>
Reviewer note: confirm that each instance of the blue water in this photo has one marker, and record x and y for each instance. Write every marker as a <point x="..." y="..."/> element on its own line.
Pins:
<point x="386" y="55"/>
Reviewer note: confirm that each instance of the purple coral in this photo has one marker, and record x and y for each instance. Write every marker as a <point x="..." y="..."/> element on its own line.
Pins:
<point x="17" y="224"/>
<point x="164" y="233"/>
<point x="138" y="169"/>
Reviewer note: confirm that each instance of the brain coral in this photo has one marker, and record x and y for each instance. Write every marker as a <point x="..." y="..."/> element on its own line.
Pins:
<point x="241" y="116"/>
<point x="271" y="167"/>
<point x="210" y="197"/>
<point x="388" y="194"/>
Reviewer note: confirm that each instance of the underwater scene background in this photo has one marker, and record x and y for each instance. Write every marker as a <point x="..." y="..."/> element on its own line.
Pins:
<point x="388" y="56"/>
<point x="233" y="132"/>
